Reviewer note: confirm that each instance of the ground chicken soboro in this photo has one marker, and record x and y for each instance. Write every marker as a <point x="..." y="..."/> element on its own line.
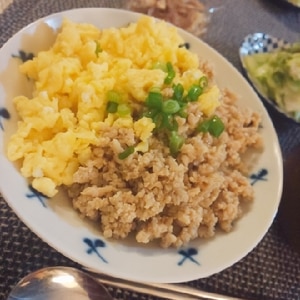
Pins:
<point x="93" y="100"/>
<point x="160" y="197"/>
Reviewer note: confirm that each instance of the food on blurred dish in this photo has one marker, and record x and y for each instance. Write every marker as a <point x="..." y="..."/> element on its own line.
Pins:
<point x="190" y="15"/>
<point x="132" y="124"/>
<point x="277" y="76"/>
<point x="294" y="2"/>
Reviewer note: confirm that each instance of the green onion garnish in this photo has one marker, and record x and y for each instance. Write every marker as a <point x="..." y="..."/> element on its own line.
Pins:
<point x="178" y="91"/>
<point x="128" y="151"/>
<point x="115" y="105"/>
<point x="203" y="82"/>
<point x="194" y="92"/>
<point x="123" y="110"/>
<point x="182" y="112"/>
<point x="113" y="96"/>
<point x="214" y="126"/>
<point x="112" y="107"/>
<point x="175" y="142"/>
<point x="160" y="65"/>
<point x="203" y="126"/>
<point x="164" y="109"/>
<point x="169" y="122"/>
<point x="170" y="107"/>
<point x="171" y="73"/>
<point x="150" y="113"/>
<point x="98" y="48"/>
<point x="154" y="100"/>
<point x="158" y="120"/>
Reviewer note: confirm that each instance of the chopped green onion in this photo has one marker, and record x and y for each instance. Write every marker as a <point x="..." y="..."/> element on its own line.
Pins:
<point x="175" y="142"/>
<point x="112" y="107"/>
<point x="150" y="113"/>
<point x="154" y="100"/>
<point x="214" y="126"/>
<point x="194" y="92"/>
<point x="170" y="107"/>
<point x="160" y="65"/>
<point x="203" y="82"/>
<point x="169" y="122"/>
<point x="182" y="112"/>
<point x="178" y="91"/>
<point x="203" y="126"/>
<point x="123" y="110"/>
<point x="155" y="89"/>
<point x="129" y="150"/>
<point x="113" y="96"/>
<point x="164" y="109"/>
<point x="98" y="48"/>
<point x="171" y="73"/>
<point x="158" y="120"/>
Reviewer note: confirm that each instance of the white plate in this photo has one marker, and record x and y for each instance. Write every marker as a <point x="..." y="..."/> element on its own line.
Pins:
<point x="59" y="226"/>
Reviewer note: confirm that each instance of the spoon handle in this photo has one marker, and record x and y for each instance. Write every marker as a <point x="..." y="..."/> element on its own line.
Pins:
<point x="162" y="290"/>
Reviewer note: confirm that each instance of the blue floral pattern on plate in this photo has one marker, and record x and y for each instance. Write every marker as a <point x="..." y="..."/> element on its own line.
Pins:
<point x="34" y="194"/>
<point x="23" y="55"/>
<point x="93" y="245"/>
<point x="261" y="175"/>
<point x="188" y="254"/>
<point x="4" y="114"/>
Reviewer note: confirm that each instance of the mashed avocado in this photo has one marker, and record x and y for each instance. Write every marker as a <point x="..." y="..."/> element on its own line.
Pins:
<point x="277" y="77"/>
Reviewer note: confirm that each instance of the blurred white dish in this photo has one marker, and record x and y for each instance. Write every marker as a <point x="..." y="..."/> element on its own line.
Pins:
<point x="59" y="225"/>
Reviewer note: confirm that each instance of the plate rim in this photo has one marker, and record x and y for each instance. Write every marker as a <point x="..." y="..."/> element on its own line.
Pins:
<point x="52" y="243"/>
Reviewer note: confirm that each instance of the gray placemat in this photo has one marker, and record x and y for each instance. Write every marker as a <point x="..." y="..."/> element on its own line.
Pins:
<point x="272" y="269"/>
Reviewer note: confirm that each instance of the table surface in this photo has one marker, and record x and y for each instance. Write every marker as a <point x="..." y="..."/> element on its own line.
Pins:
<point x="272" y="269"/>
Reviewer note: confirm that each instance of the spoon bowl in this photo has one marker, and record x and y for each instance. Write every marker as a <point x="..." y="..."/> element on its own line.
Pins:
<point x="59" y="283"/>
<point x="262" y="43"/>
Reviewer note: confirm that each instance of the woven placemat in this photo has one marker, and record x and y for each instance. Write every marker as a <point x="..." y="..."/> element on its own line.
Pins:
<point x="272" y="269"/>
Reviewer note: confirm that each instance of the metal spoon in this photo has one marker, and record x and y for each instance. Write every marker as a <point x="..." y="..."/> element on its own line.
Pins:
<point x="59" y="283"/>
<point x="65" y="283"/>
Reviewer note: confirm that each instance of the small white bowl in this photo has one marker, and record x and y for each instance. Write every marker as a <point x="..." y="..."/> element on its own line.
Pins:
<point x="260" y="42"/>
<point x="58" y="224"/>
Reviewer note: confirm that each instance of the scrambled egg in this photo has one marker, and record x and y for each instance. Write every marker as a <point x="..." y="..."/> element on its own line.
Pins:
<point x="61" y="121"/>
